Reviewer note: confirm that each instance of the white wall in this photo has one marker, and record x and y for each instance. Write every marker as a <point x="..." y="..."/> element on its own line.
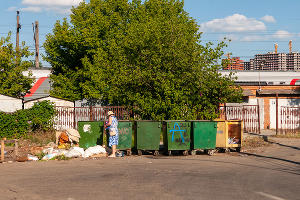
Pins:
<point x="10" y="104"/>
<point x="38" y="73"/>
<point x="281" y="102"/>
<point x="56" y="101"/>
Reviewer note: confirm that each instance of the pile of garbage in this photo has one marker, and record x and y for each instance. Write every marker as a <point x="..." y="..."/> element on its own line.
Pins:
<point x="66" y="145"/>
<point x="234" y="141"/>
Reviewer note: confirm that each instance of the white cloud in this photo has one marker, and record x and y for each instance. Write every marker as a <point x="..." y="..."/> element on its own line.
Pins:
<point x="58" y="6"/>
<point x="268" y="18"/>
<point x="31" y="9"/>
<point x="13" y="8"/>
<point x="281" y="34"/>
<point x="234" y="23"/>
<point x="60" y="3"/>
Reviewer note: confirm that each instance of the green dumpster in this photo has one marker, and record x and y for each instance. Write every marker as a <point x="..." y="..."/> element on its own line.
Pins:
<point x="177" y="136"/>
<point x="147" y="136"/>
<point x="203" y="136"/>
<point x="125" y="136"/>
<point x="91" y="133"/>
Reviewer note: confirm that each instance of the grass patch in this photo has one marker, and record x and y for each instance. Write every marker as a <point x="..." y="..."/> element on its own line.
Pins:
<point x="61" y="157"/>
<point x="254" y="142"/>
<point x="40" y="155"/>
<point x="41" y="138"/>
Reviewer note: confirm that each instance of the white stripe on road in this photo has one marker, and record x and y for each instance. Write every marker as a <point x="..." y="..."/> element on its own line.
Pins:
<point x="270" y="196"/>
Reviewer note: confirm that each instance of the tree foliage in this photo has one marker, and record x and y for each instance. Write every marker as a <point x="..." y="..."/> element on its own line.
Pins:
<point x="12" y="81"/>
<point x="145" y="55"/>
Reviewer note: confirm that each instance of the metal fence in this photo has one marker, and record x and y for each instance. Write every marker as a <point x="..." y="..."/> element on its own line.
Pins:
<point x="248" y="113"/>
<point x="68" y="117"/>
<point x="289" y="120"/>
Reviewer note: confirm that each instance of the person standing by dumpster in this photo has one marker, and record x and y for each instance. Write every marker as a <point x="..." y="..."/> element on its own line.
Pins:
<point x="113" y="133"/>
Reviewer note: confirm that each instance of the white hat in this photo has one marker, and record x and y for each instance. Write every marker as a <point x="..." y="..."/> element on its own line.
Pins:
<point x="110" y="113"/>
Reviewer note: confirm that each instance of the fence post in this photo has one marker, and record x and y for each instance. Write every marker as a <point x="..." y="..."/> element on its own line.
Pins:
<point x="91" y="113"/>
<point x="74" y="117"/>
<point x="258" y="116"/>
<point x="2" y="150"/>
<point x="276" y="113"/>
<point x="225" y="111"/>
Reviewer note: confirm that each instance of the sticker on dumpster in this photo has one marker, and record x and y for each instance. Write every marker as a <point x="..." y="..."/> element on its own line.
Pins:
<point x="87" y="128"/>
<point x="176" y="129"/>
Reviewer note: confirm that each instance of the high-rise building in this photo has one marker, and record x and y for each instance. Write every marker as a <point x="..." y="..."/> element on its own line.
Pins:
<point x="274" y="61"/>
<point x="234" y="63"/>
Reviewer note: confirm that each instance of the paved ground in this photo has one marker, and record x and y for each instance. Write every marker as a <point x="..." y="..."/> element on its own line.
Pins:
<point x="270" y="173"/>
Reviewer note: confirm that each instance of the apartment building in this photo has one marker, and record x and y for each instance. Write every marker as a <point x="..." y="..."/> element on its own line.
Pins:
<point x="234" y="63"/>
<point x="274" y="61"/>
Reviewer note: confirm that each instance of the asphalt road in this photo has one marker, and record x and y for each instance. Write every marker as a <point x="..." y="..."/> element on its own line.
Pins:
<point x="272" y="173"/>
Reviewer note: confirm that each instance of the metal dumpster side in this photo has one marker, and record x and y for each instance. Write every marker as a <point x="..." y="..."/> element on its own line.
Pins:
<point x="147" y="135"/>
<point x="91" y="133"/>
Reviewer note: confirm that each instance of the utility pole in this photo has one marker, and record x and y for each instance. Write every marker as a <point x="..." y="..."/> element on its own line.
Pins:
<point x="37" y="46"/>
<point x="18" y="30"/>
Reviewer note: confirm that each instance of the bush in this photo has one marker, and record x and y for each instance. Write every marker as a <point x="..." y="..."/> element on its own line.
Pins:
<point x="18" y="124"/>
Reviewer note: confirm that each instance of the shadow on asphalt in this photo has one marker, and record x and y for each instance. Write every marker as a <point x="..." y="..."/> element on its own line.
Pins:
<point x="266" y="139"/>
<point x="270" y="157"/>
<point x="284" y="168"/>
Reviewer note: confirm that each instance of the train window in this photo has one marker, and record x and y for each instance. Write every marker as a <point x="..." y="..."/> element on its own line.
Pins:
<point x="270" y="83"/>
<point x="282" y="83"/>
<point x="297" y="82"/>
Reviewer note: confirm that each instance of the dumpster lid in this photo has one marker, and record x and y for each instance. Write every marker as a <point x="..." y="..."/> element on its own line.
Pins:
<point x="174" y="120"/>
<point x="200" y="120"/>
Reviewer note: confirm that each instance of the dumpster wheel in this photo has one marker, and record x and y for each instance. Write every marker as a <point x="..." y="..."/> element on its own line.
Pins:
<point x="186" y="153"/>
<point x="211" y="152"/>
<point x="193" y="152"/>
<point x="140" y="152"/>
<point x="128" y="152"/>
<point x="156" y="153"/>
<point x="238" y="149"/>
<point x="227" y="150"/>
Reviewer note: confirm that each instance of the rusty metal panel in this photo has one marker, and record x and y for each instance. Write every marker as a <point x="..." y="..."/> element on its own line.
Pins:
<point x="248" y="113"/>
<point x="68" y="117"/>
<point x="289" y="120"/>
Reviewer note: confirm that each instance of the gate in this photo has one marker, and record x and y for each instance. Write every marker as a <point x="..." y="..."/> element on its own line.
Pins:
<point x="68" y="117"/>
<point x="248" y="113"/>
<point x="289" y="120"/>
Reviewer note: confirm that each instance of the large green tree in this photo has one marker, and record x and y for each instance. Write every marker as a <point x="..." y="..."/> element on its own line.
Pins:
<point x="146" y="55"/>
<point x="12" y="64"/>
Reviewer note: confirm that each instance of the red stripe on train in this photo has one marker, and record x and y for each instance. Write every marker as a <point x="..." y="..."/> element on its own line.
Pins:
<point x="36" y="86"/>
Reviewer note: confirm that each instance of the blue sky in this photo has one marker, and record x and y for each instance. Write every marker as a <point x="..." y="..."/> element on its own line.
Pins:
<point x="252" y="25"/>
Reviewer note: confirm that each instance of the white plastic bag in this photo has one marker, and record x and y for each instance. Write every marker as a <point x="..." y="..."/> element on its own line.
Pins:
<point x="75" y="152"/>
<point x="94" y="150"/>
<point x="73" y="134"/>
<point x="49" y="156"/>
<point x="32" y="158"/>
